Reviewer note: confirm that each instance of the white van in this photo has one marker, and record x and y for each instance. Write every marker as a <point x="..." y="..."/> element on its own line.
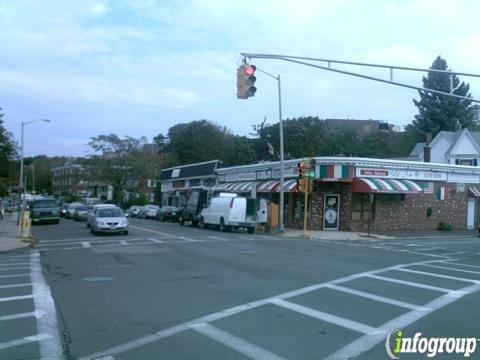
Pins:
<point x="234" y="212"/>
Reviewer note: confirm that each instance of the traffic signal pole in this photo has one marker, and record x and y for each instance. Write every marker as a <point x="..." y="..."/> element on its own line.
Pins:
<point x="305" y="207"/>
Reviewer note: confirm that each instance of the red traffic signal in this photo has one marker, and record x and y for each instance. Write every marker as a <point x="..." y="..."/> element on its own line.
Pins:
<point x="245" y="81"/>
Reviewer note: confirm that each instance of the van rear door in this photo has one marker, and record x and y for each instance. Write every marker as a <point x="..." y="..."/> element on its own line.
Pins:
<point x="238" y="210"/>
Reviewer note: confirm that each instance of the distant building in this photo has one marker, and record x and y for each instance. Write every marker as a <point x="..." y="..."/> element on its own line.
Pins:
<point x="362" y="127"/>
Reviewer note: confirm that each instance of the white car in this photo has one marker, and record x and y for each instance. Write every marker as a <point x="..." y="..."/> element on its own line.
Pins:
<point x="109" y="220"/>
<point x="91" y="213"/>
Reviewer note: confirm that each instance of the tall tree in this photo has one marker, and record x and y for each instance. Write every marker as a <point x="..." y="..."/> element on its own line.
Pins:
<point x="440" y="112"/>
<point x="7" y="154"/>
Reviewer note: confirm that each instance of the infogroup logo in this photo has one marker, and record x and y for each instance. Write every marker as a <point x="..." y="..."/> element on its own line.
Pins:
<point x="429" y="346"/>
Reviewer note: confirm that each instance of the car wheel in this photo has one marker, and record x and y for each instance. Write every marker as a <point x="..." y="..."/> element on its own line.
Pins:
<point x="194" y="223"/>
<point x="250" y="230"/>
<point x="57" y="221"/>
<point x="180" y="220"/>
<point x="125" y="232"/>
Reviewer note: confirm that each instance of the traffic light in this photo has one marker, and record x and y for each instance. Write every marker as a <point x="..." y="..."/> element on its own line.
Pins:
<point x="312" y="168"/>
<point x="245" y="81"/>
<point x="301" y="176"/>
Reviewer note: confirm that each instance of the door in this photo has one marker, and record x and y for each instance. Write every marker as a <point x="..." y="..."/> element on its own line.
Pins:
<point x="262" y="211"/>
<point x="331" y="212"/>
<point x="471" y="214"/>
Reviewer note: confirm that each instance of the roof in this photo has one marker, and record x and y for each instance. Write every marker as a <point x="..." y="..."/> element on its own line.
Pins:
<point x="192" y="170"/>
<point x="418" y="149"/>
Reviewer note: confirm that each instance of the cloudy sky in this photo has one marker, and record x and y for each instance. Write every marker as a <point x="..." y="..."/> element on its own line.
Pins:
<point x="137" y="67"/>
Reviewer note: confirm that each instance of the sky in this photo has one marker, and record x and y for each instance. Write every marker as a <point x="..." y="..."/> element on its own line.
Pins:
<point x="138" y="67"/>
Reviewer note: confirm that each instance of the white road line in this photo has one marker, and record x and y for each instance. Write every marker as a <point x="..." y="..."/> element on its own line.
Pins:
<point x="153" y="231"/>
<point x="14" y="285"/>
<point x="123" y="242"/>
<point x="14" y="275"/>
<point x="46" y="324"/>
<point x="13" y="257"/>
<point x="73" y="240"/>
<point x="367" y="342"/>
<point x="188" y="239"/>
<point x="453" y="269"/>
<point x="454" y="262"/>
<point x="148" y="339"/>
<point x="79" y="243"/>
<point x="409" y="283"/>
<point x="10" y="264"/>
<point x="14" y="298"/>
<point x="378" y="298"/>
<point x="438" y="275"/>
<point x="218" y="238"/>
<point x="156" y="240"/>
<point x="333" y="319"/>
<point x="17" y="316"/>
<point x="234" y="342"/>
<point x="422" y="253"/>
<point x="86" y="244"/>
<point x="14" y="268"/>
<point x="25" y="340"/>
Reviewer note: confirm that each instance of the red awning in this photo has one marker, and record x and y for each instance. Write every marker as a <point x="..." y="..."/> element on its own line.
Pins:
<point x="475" y="192"/>
<point x="388" y="186"/>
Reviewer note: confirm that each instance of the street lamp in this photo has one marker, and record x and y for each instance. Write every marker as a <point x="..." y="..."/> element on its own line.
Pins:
<point x="24" y="123"/>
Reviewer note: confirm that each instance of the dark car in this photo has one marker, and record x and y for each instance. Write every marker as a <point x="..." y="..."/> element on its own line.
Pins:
<point x="167" y="213"/>
<point x="80" y="213"/>
<point x="44" y="210"/>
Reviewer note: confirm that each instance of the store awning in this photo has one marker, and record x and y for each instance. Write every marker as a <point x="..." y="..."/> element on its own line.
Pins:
<point x="288" y="186"/>
<point x="221" y="187"/>
<point x="385" y="186"/>
<point x="474" y="191"/>
<point x="242" y="186"/>
<point x="267" y="186"/>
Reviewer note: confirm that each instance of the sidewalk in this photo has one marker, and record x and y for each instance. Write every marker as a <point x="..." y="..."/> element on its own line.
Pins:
<point x="405" y="234"/>
<point x="9" y="239"/>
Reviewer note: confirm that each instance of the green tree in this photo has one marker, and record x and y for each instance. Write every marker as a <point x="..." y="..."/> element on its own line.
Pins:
<point x="7" y="155"/>
<point x="440" y="112"/>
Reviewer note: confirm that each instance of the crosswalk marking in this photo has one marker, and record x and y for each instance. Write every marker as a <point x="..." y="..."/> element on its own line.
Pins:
<point x="13" y="275"/>
<point x="14" y="285"/>
<point x="409" y="283"/>
<point x="17" y="316"/>
<point x="438" y="275"/>
<point x="453" y="269"/>
<point x="23" y="341"/>
<point x="86" y="244"/>
<point x="374" y="297"/>
<point x="454" y="262"/>
<point x="234" y="342"/>
<point x="14" y="268"/>
<point x="333" y="319"/>
<point x="10" y="264"/>
<point x="14" y="298"/>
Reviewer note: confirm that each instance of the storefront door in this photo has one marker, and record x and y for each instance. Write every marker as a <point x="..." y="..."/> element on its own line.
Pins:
<point x="471" y="214"/>
<point x="331" y="212"/>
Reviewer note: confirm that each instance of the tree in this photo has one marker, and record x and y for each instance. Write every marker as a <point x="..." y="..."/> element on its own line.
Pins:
<point x="7" y="154"/>
<point x="440" y="112"/>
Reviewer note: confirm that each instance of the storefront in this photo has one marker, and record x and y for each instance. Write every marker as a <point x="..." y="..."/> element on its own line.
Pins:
<point x="354" y="194"/>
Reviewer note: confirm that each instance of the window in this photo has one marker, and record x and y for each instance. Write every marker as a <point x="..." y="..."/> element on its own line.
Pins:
<point x="466" y="162"/>
<point x="361" y="207"/>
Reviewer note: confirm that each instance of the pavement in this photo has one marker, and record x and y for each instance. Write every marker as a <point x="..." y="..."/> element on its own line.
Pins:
<point x="9" y="239"/>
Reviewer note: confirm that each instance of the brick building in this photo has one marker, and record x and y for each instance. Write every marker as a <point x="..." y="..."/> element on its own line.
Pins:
<point x="352" y="194"/>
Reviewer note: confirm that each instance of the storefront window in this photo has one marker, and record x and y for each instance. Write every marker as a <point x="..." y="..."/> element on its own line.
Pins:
<point x="361" y="207"/>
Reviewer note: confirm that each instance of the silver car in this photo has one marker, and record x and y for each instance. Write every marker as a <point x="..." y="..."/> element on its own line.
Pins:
<point x="148" y="211"/>
<point x="109" y="220"/>
<point x="91" y="213"/>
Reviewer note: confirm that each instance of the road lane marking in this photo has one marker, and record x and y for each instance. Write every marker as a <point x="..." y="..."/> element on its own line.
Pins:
<point x="438" y="275"/>
<point x="14" y="298"/>
<point x="13" y="275"/>
<point x="320" y="315"/>
<point x="148" y="339"/>
<point x="453" y="269"/>
<point x="14" y="285"/>
<point x="17" y="316"/>
<point x="409" y="283"/>
<point x="378" y="298"/>
<point x="156" y="240"/>
<point x="367" y="342"/>
<point x="86" y="244"/>
<point x="234" y="342"/>
<point x="44" y="304"/>
<point x="152" y="231"/>
<point x="10" y="264"/>
<point x="14" y="268"/>
<point x="123" y="242"/>
<point x="454" y="262"/>
<point x="218" y="238"/>
<point x="187" y="239"/>
<point x="28" y="339"/>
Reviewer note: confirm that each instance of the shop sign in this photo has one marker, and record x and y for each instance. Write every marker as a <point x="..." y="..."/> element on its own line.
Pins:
<point x="243" y="176"/>
<point x="264" y="174"/>
<point x="331" y="212"/>
<point x="401" y="174"/>
<point x="175" y="173"/>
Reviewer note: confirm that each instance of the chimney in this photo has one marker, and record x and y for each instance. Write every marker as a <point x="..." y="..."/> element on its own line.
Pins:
<point x="427" y="153"/>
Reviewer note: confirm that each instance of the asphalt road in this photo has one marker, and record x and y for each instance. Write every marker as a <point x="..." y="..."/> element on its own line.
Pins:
<point x="171" y="292"/>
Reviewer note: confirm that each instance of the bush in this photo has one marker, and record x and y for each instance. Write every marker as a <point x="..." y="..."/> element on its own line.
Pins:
<point x="444" y="226"/>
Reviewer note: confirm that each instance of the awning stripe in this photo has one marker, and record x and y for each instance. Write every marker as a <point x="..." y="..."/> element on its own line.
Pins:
<point x="267" y="186"/>
<point x="474" y="191"/>
<point x="393" y="186"/>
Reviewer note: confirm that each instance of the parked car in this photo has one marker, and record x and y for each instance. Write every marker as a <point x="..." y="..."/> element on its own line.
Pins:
<point x="109" y="220"/>
<point x="227" y="212"/>
<point x="190" y="212"/>
<point x="167" y="213"/>
<point x="71" y="210"/>
<point x="81" y="212"/>
<point x="133" y="210"/>
<point x="44" y="210"/>
<point x="63" y="209"/>
<point x="148" y="211"/>
<point x="91" y="213"/>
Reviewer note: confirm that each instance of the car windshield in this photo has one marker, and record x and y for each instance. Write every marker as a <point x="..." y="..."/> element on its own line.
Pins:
<point x="110" y="212"/>
<point x="170" y="208"/>
<point x="83" y="208"/>
<point x="45" y="203"/>
<point x="151" y="207"/>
